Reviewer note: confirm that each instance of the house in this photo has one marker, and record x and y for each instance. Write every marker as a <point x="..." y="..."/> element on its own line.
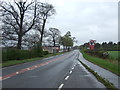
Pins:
<point x="51" y="49"/>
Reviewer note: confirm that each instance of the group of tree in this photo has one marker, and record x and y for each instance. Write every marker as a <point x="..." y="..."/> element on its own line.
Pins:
<point x="55" y="39"/>
<point x="21" y="18"/>
<point x="23" y="25"/>
<point x="67" y="41"/>
<point x="110" y="46"/>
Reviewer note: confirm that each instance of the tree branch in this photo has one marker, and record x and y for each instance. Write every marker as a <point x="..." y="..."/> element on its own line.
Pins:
<point x="11" y="14"/>
<point x="33" y="21"/>
<point x="12" y="26"/>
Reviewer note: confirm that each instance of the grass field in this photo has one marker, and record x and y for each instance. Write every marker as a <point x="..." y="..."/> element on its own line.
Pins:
<point x="103" y="63"/>
<point x="114" y="54"/>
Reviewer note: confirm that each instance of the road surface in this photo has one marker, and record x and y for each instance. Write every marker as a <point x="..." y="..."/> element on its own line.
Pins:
<point x="61" y="71"/>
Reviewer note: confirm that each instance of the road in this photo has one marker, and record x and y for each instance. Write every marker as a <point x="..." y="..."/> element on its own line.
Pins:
<point x="61" y="71"/>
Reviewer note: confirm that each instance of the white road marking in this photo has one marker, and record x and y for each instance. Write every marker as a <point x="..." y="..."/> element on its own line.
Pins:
<point x="16" y="65"/>
<point x="73" y="68"/>
<point x="17" y="72"/>
<point x="66" y="77"/>
<point x="28" y="68"/>
<point x="5" y="78"/>
<point x="60" y="86"/>
<point x="47" y="63"/>
<point x="70" y="72"/>
<point x="36" y="66"/>
<point x="75" y="64"/>
<point x="0" y="78"/>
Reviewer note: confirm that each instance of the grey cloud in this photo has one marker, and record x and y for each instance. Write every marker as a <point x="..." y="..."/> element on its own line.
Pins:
<point x="88" y="20"/>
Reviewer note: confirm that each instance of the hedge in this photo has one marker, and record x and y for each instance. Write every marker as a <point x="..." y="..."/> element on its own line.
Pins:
<point x="15" y="54"/>
<point x="101" y="54"/>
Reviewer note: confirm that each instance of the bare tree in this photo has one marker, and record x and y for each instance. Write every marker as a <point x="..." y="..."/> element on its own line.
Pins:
<point x="19" y="17"/>
<point x="54" y="36"/>
<point x="31" y="39"/>
<point x="9" y="37"/>
<point x="45" y="10"/>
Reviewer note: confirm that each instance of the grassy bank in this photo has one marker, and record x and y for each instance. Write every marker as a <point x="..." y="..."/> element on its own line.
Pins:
<point x="103" y="63"/>
<point x="114" y="55"/>
<point x="99" y="78"/>
<point x="14" y="62"/>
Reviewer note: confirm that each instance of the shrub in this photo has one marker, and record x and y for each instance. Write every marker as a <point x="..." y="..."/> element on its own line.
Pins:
<point x="24" y="54"/>
<point x="38" y="51"/>
<point x="16" y="54"/>
<point x="45" y="52"/>
<point x="10" y="54"/>
<point x="101" y="54"/>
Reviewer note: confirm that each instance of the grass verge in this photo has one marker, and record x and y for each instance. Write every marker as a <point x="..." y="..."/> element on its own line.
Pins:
<point x="114" y="55"/>
<point x="103" y="63"/>
<point x="15" y="62"/>
<point x="107" y="84"/>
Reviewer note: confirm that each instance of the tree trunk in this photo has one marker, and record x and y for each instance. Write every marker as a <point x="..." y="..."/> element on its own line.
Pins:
<point x="42" y="32"/>
<point x="19" y="42"/>
<point x="54" y="43"/>
<point x="20" y="35"/>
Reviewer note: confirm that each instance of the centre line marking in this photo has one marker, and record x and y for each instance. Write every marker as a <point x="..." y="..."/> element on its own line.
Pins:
<point x="73" y="68"/>
<point x="70" y="72"/>
<point x="66" y="77"/>
<point x="60" y="86"/>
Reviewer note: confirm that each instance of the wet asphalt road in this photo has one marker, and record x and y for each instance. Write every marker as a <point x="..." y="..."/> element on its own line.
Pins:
<point x="61" y="71"/>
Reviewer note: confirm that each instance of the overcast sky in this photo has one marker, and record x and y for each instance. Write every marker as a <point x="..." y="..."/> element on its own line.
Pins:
<point x="86" y="20"/>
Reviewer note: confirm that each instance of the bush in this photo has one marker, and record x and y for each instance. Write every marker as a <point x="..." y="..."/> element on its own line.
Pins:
<point x="45" y="52"/>
<point x="9" y="54"/>
<point x="23" y="54"/>
<point x="38" y="51"/>
<point x="15" y="54"/>
<point x="101" y="54"/>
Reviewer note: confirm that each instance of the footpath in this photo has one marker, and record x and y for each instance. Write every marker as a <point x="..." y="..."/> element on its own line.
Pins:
<point x="111" y="77"/>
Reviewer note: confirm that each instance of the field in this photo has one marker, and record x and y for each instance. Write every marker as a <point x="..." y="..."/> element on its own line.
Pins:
<point x="103" y="63"/>
<point x="114" y="55"/>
